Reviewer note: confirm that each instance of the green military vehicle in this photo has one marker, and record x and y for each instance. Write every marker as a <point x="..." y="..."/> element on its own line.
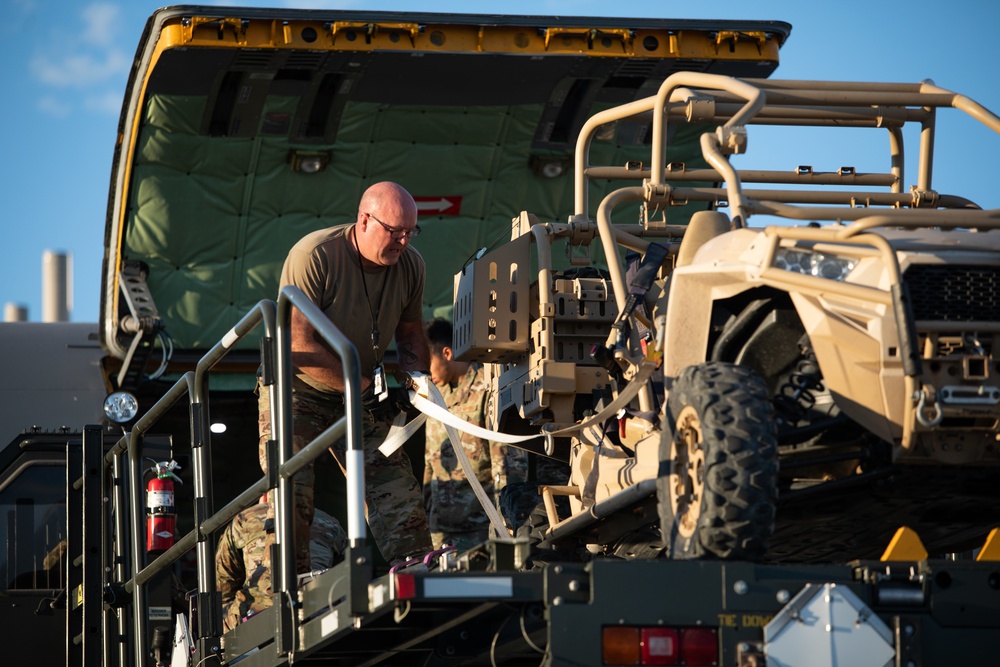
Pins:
<point x="243" y="129"/>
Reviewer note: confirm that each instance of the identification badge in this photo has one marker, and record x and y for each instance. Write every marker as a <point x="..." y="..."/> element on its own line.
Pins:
<point x="378" y="381"/>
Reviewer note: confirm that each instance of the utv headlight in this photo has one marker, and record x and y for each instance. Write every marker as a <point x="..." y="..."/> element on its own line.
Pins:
<point x="810" y="263"/>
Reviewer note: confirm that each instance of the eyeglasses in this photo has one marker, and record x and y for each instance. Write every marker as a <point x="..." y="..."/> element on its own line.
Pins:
<point x="396" y="233"/>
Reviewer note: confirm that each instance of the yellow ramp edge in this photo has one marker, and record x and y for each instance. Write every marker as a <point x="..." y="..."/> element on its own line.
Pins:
<point x="991" y="548"/>
<point x="905" y="545"/>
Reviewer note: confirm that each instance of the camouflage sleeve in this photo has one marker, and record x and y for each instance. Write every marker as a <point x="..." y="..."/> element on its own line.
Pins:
<point x="428" y="466"/>
<point x="508" y="465"/>
<point x="230" y="573"/>
<point x="498" y="465"/>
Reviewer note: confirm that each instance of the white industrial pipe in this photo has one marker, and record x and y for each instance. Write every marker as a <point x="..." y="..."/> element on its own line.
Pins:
<point x="56" y="295"/>
<point x="15" y="312"/>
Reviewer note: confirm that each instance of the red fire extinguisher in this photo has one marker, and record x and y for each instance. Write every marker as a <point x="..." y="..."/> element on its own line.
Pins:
<point x="160" y="513"/>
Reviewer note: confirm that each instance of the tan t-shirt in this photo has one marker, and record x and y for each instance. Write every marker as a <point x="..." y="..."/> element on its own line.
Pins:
<point x="325" y="266"/>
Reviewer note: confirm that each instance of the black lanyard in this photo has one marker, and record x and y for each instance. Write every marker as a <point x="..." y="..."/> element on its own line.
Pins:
<point x="364" y="283"/>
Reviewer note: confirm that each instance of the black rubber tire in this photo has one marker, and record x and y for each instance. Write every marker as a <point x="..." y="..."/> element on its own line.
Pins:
<point x="721" y="427"/>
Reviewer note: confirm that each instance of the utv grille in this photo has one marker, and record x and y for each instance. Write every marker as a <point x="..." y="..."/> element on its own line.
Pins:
<point x="954" y="293"/>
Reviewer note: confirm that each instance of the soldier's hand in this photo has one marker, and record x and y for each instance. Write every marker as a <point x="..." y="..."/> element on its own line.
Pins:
<point x="380" y="411"/>
<point x="400" y="396"/>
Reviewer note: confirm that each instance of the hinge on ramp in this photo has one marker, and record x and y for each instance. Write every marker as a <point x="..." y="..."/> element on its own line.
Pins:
<point x="143" y="323"/>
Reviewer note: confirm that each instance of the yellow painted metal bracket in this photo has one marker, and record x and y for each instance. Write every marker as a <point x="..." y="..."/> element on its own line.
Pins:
<point x="991" y="548"/>
<point x="591" y="35"/>
<point x="737" y="36"/>
<point x="905" y="545"/>
<point x="370" y="29"/>
<point x="238" y="26"/>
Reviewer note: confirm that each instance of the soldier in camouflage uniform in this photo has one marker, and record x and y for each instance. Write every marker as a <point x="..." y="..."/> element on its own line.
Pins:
<point x="454" y="513"/>
<point x="243" y="559"/>
<point x="368" y="280"/>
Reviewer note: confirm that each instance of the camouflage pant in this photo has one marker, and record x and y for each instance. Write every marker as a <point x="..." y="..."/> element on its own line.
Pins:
<point x="393" y="501"/>
<point x="243" y="570"/>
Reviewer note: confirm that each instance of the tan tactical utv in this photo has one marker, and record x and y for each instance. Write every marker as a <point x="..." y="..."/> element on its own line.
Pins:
<point x="793" y="392"/>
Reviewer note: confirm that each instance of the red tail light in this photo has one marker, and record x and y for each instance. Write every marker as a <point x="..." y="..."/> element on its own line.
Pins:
<point x="699" y="646"/>
<point x="406" y="586"/>
<point x="659" y="645"/>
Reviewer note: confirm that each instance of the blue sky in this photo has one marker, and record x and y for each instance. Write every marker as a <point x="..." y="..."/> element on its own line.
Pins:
<point x="65" y="65"/>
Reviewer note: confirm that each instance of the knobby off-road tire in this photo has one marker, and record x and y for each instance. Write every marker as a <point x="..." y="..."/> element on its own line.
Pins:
<point x="718" y="465"/>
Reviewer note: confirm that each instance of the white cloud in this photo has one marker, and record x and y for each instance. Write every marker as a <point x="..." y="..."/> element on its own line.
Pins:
<point x="100" y="23"/>
<point x="79" y="69"/>
<point x="89" y="56"/>
<point x="51" y="105"/>
<point x="105" y="103"/>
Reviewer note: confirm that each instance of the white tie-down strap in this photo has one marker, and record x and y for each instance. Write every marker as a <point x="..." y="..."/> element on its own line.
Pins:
<point x="624" y="398"/>
<point x="399" y="434"/>
<point x="436" y="409"/>
<point x="441" y="413"/>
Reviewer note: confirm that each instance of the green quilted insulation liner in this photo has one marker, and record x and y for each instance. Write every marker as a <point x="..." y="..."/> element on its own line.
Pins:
<point x="213" y="216"/>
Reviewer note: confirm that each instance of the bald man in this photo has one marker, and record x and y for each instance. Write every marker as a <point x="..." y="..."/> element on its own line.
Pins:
<point x="369" y="281"/>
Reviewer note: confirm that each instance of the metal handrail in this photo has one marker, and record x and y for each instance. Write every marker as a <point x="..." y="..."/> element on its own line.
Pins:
<point x="194" y="384"/>
<point x="354" y="464"/>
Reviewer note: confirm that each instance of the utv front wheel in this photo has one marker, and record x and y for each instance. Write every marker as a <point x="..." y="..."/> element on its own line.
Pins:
<point x="717" y="492"/>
